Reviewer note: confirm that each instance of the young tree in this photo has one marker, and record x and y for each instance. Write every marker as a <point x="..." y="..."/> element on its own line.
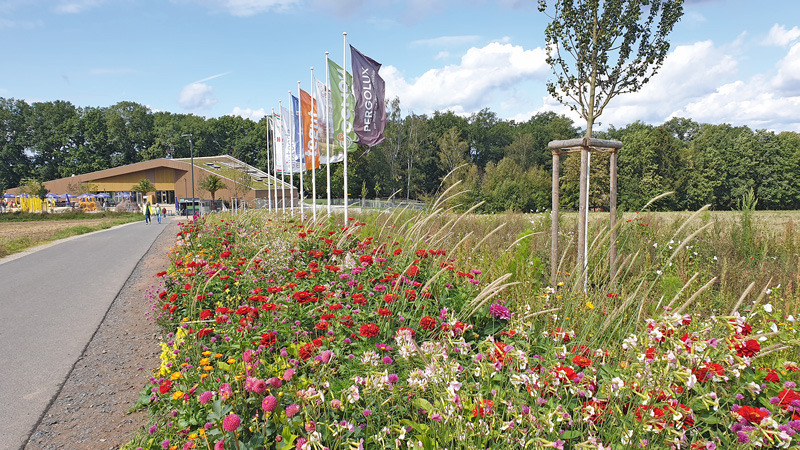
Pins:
<point x="599" y="49"/>
<point x="212" y="184"/>
<point x="144" y="187"/>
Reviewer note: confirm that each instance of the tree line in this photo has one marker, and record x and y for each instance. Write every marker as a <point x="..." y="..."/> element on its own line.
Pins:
<point x="502" y="164"/>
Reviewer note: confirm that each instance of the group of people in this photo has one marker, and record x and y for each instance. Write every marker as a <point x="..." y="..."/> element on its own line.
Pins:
<point x="153" y="210"/>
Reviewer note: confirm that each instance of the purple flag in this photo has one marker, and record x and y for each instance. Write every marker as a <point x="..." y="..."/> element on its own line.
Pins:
<point x="368" y="87"/>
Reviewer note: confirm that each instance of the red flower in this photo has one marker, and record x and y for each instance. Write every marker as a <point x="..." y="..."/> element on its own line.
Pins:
<point x="500" y="353"/>
<point x="204" y="332"/>
<point x="413" y="333"/>
<point x="269" y="339"/>
<point x="481" y="409"/>
<point x="397" y="251"/>
<point x="389" y="298"/>
<point x="707" y="371"/>
<point x="335" y="307"/>
<point x="369" y="330"/>
<point x="595" y="410"/>
<point x="787" y="396"/>
<point x="365" y="259"/>
<point x="772" y="377"/>
<point x="412" y="271"/>
<point x="359" y="299"/>
<point x="613" y="295"/>
<point x="322" y="325"/>
<point x="161" y="274"/>
<point x="748" y="349"/>
<point x="581" y="361"/>
<point x="384" y="312"/>
<point x="411" y="295"/>
<point x="307" y="351"/>
<point x="225" y="254"/>
<point x="347" y="321"/>
<point x="427" y="323"/>
<point x="751" y="414"/>
<point x="206" y="314"/>
<point x="165" y="386"/>
<point x="269" y="307"/>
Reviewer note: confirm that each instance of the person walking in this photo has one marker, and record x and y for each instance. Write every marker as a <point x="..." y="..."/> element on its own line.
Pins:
<point x="158" y="213"/>
<point x="147" y="213"/>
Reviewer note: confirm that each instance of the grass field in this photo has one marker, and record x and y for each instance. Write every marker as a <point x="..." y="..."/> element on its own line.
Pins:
<point x="21" y="231"/>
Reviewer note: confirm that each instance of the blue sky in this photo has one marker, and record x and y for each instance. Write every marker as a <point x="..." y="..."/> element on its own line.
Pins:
<point x="731" y="61"/>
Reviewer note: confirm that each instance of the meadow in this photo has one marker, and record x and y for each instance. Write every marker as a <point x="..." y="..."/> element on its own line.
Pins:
<point x="439" y="330"/>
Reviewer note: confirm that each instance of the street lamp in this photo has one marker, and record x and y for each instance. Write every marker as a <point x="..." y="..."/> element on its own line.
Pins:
<point x="191" y="155"/>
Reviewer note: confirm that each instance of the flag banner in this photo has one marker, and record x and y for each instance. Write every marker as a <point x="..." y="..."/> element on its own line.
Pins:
<point x="297" y="135"/>
<point x="287" y="157"/>
<point x="368" y="87"/>
<point x="340" y="82"/>
<point x="310" y="130"/>
<point x="325" y="120"/>
<point x="277" y="131"/>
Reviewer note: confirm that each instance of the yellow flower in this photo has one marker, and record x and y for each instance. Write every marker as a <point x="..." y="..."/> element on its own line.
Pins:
<point x="177" y="395"/>
<point x="232" y="361"/>
<point x="589" y="305"/>
<point x="218" y="355"/>
<point x="206" y="353"/>
<point x="205" y="362"/>
<point x="208" y="368"/>
<point x="176" y="376"/>
<point x="193" y="436"/>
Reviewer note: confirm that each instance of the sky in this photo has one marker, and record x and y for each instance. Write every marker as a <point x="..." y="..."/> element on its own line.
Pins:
<point x="730" y="61"/>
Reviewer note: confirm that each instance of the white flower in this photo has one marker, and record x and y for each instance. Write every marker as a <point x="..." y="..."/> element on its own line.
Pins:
<point x="768" y="307"/>
<point x="773" y="327"/>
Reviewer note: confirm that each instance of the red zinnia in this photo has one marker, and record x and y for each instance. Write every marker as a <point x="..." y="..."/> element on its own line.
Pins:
<point x="787" y="396"/>
<point x="365" y="259"/>
<point x="165" y="386"/>
<point x="427" y="323"/>
<point x="412" y="271"/>
<point x="751" y="414"/>
<point x="748" y="349"/>
<point x="384" y="312"/>
<point x="369" y="330"/>
<point x="581" y="361"/>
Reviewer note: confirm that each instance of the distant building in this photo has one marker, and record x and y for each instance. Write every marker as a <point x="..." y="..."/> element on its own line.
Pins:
<point x="173" y="181"/>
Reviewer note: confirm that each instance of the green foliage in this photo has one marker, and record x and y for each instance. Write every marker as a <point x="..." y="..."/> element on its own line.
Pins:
<point x="144" y="186"/>
<point x="212" y="184"/>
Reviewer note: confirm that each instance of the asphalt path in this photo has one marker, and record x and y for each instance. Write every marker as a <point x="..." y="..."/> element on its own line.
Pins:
<point x="52" y="301"/>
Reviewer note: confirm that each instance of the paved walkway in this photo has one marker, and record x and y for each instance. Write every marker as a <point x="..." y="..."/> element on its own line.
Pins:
<point x="52" y="301"/>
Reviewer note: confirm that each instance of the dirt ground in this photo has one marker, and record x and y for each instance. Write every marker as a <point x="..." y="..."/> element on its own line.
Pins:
<point x="38" y="231"/>
<point x="90" y="410"/>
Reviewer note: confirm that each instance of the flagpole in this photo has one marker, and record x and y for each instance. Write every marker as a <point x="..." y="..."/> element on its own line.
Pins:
<point x="294" y="155"/>
<point x="267" y="122"/>
<point x="314" y="149"/>
<point x="344" y="124"/>
<point x="327" y="134"/>
<point x="302" y="151"/>
<point x="275" y="161"/>
<point x="283" y="168"/>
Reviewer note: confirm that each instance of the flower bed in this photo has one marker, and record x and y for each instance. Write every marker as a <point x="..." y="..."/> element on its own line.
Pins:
<point x="290" y="335"/>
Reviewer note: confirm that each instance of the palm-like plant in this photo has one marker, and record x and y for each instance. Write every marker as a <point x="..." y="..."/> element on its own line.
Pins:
<point x="212" y="184"/>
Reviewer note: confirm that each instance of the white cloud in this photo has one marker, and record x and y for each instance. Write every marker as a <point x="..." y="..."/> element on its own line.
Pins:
<point x="248" y="113"/>
<point x="247" y="8"/>
<point x="780" y="36"/>
<point x="760" y="102"/>
<point x="442" y="55"/>
<point x="76" y="6"/>
<point x="197" y="96"/>
<point x="20" y="25"/>
<point x="484" y="73"/>
<point x="446" y="41"/>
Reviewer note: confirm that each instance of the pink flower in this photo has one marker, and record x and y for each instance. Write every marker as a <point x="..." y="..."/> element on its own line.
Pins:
<point x="287" y="376"/>
<point x="205" y="397"/>
<point x="269" y="403"/>
<point x="225" y="391"/>
<point x="499" y="311"/>
<point x="275" y="382"/>
<point x="231" y="422"/>
<point x="336" y="403"/>
<point x="292" y="409"/>
<point x="219" y="445"/>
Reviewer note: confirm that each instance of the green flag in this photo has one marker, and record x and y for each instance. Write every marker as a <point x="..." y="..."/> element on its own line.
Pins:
<point x="337" y="86"/>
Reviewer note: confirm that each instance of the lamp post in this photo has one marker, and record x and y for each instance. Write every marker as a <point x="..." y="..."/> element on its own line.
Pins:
<point x="191" y="155"/>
